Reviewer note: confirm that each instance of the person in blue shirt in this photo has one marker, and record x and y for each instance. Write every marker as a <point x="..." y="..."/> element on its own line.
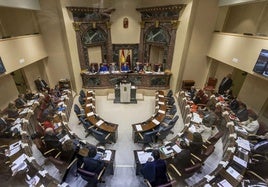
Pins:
<point x="125" y="67"/>
<point x="103" y="68"/>
<point x="155" y="170"/>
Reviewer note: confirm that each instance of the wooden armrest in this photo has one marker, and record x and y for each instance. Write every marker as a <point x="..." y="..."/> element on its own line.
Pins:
<point x="204" y="146"/>
<point x="78" y="115"/>
<point x="196" y="157"/>
<point x="192" y="162"/>
<point x="3" y="146"/>
<point x="58" y="155"/>
<point x="55" y="160"/>
<point x="175" y="169"/>
<point x="256" y="175"/>
<point x="168" y="184"/>
<point x="11" y="119"/>
<point x="147" y="183"/>
<point x="49" y="151"/>
<point x="101" y="173"/>
<point x="90" y="127"/>
<point x="70" y="165"/>
<point x="140" y="135"/>
<point x="208" y="142"/>
<point x="108" y="135"/>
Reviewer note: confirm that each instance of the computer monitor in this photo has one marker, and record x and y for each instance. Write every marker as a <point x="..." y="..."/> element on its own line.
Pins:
<point x="261" y="66"/>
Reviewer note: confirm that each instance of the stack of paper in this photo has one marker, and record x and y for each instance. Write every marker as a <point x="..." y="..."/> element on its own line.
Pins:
<point x="161" y="111"/>
<point x="176" y="148"/>
<point x="108" y="155"/>
<point x="90" y="114"/>
<point x="196" y="118"/>
<point x="144" y="156"/>
<point x="138" y="127"/>
<point x="234" y="173"/>
<point x="18" y="164"/>
<point x="243" y="143"/>
<point x="66" y="137"/>
<point x="240" y="161"/>
<point x="224" y="183"/>
<point x="99" y="123"/>
<point x="155" y="121"/>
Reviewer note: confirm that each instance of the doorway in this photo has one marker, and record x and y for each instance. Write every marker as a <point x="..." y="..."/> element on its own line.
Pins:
<point x="238" y="77"/>
<point x="20" y="81"/>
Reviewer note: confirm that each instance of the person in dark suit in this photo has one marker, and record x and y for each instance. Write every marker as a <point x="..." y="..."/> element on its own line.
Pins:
<point x="226" y="84"/>
<point x="155" y="171"/>
<point x="182" y="160"/>
<point x="20" y="102"/>
<point x="92" y="162"/>
<point x="41" y="85"/>
<point x="195" y="146"/>
<point x="12" y="111"/>
<point x="242" y="112"/>
<point x="51" y="139"/>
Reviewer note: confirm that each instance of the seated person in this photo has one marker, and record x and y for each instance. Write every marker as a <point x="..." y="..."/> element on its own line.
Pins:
<point x="200" y="97"/>
<point x="192" y="92"/>
<point x="20" y="102"/>
<point x="92" y="162"/>
<point x="103" y="68"/>
<point x="155" y="171"/>
<point x="12" y="111"/>
<point x="147" y="67"/>
<point x="51" y="140"/>
<point x="41" y="85"/>
<point x="158" y="68"/>
<point x="125" y="67"/>
<point x="182" y="160"/>
<point x="29" y="95"/>
<point x="138" y="68"/>
<point x="234" y="105"/>
<point x="113" y="67"/>
<point x="251" y="125"/>
<point x="195" y="146"/>
<point x="4" y="128"/>
<point x="93" y="68"/>
<point x="69" y="150"/>
<point x="48" y="123"/>
<point x="242" y="112"/>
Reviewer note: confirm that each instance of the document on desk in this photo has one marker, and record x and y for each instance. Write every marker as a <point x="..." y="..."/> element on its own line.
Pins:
<point x="24" y="111"/>
<point x="240" y="129"/>
<point x="99" y="122"/>
<point x="240" y="161"/>
<point x="17" y="121"/>
<point x="234" y="173"/>
<point x="90" y="114"/>
<point x="19" y="163"/>
<point x="161" y="111"/>
<point x="144" y="156"/>
<point x="196" y="118"/>
<point x="66" y="137"/>
<point x="138" y="127"/>
<point x="161" y="103"/>
<point x="241" y="142"/>
<point x="224" y="183"/>
<point x="108" y="155"/>
<point x="161" y="96"/>
<point x="192" y="129"/>
<point x="30" y="103"/>
<point x="155" y="121"/>
<point x="176" y="148"/>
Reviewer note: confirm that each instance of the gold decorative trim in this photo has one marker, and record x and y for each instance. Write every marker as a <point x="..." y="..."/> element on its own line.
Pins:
<point x="175" y="24"/>
<point x="142" y="23"/>
<point x="76" y="26"/>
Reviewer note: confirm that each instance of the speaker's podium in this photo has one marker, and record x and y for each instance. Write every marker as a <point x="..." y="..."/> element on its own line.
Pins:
<point x="125" y="93"/>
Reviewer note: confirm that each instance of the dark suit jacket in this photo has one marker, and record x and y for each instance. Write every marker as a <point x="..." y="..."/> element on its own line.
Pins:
<point x="40" y="85"/>
<point x="196" y="148"/>
<point x="19" y="102"/>
<point x="226" y="84"/>
<point x="242" y="114"/>
<point x="182" y="160"/>
<point x="155" y="172"/>
<point x="93" y="165"/>
<point x="52" y="141"/>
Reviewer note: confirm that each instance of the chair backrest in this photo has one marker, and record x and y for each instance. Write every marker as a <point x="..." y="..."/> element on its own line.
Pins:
<point x="82" y="93"/>
<point x="165" y="131"/>
<point x="77" y="109"/>
<point x="98" y="135"/>
<point x="212" y="82"/>
<point x="170" y="93"/>
<point x="149" y="137"/>
<point x="173" y="110"/>
<point x="192" y="169"/>
<point x="90" y="177"/>
<point x="175" y="119"/>
<point x="81" y="100"/>
<point x="171" y="101"/>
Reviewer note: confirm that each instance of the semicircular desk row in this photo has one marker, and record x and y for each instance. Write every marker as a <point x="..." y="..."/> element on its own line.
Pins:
<point x="19" y="162"/>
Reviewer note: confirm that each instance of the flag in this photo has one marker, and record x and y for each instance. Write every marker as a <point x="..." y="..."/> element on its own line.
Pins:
<point x="122" y="56"/>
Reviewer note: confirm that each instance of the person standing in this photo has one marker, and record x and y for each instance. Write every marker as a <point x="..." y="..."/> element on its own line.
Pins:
<point x="226" y="84"/>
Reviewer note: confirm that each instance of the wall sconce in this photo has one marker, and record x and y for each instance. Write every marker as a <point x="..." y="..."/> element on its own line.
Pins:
<point x="125" y="23"/>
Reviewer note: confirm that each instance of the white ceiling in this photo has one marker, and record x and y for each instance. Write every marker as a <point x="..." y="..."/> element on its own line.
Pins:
<point x="236" y="2"/>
